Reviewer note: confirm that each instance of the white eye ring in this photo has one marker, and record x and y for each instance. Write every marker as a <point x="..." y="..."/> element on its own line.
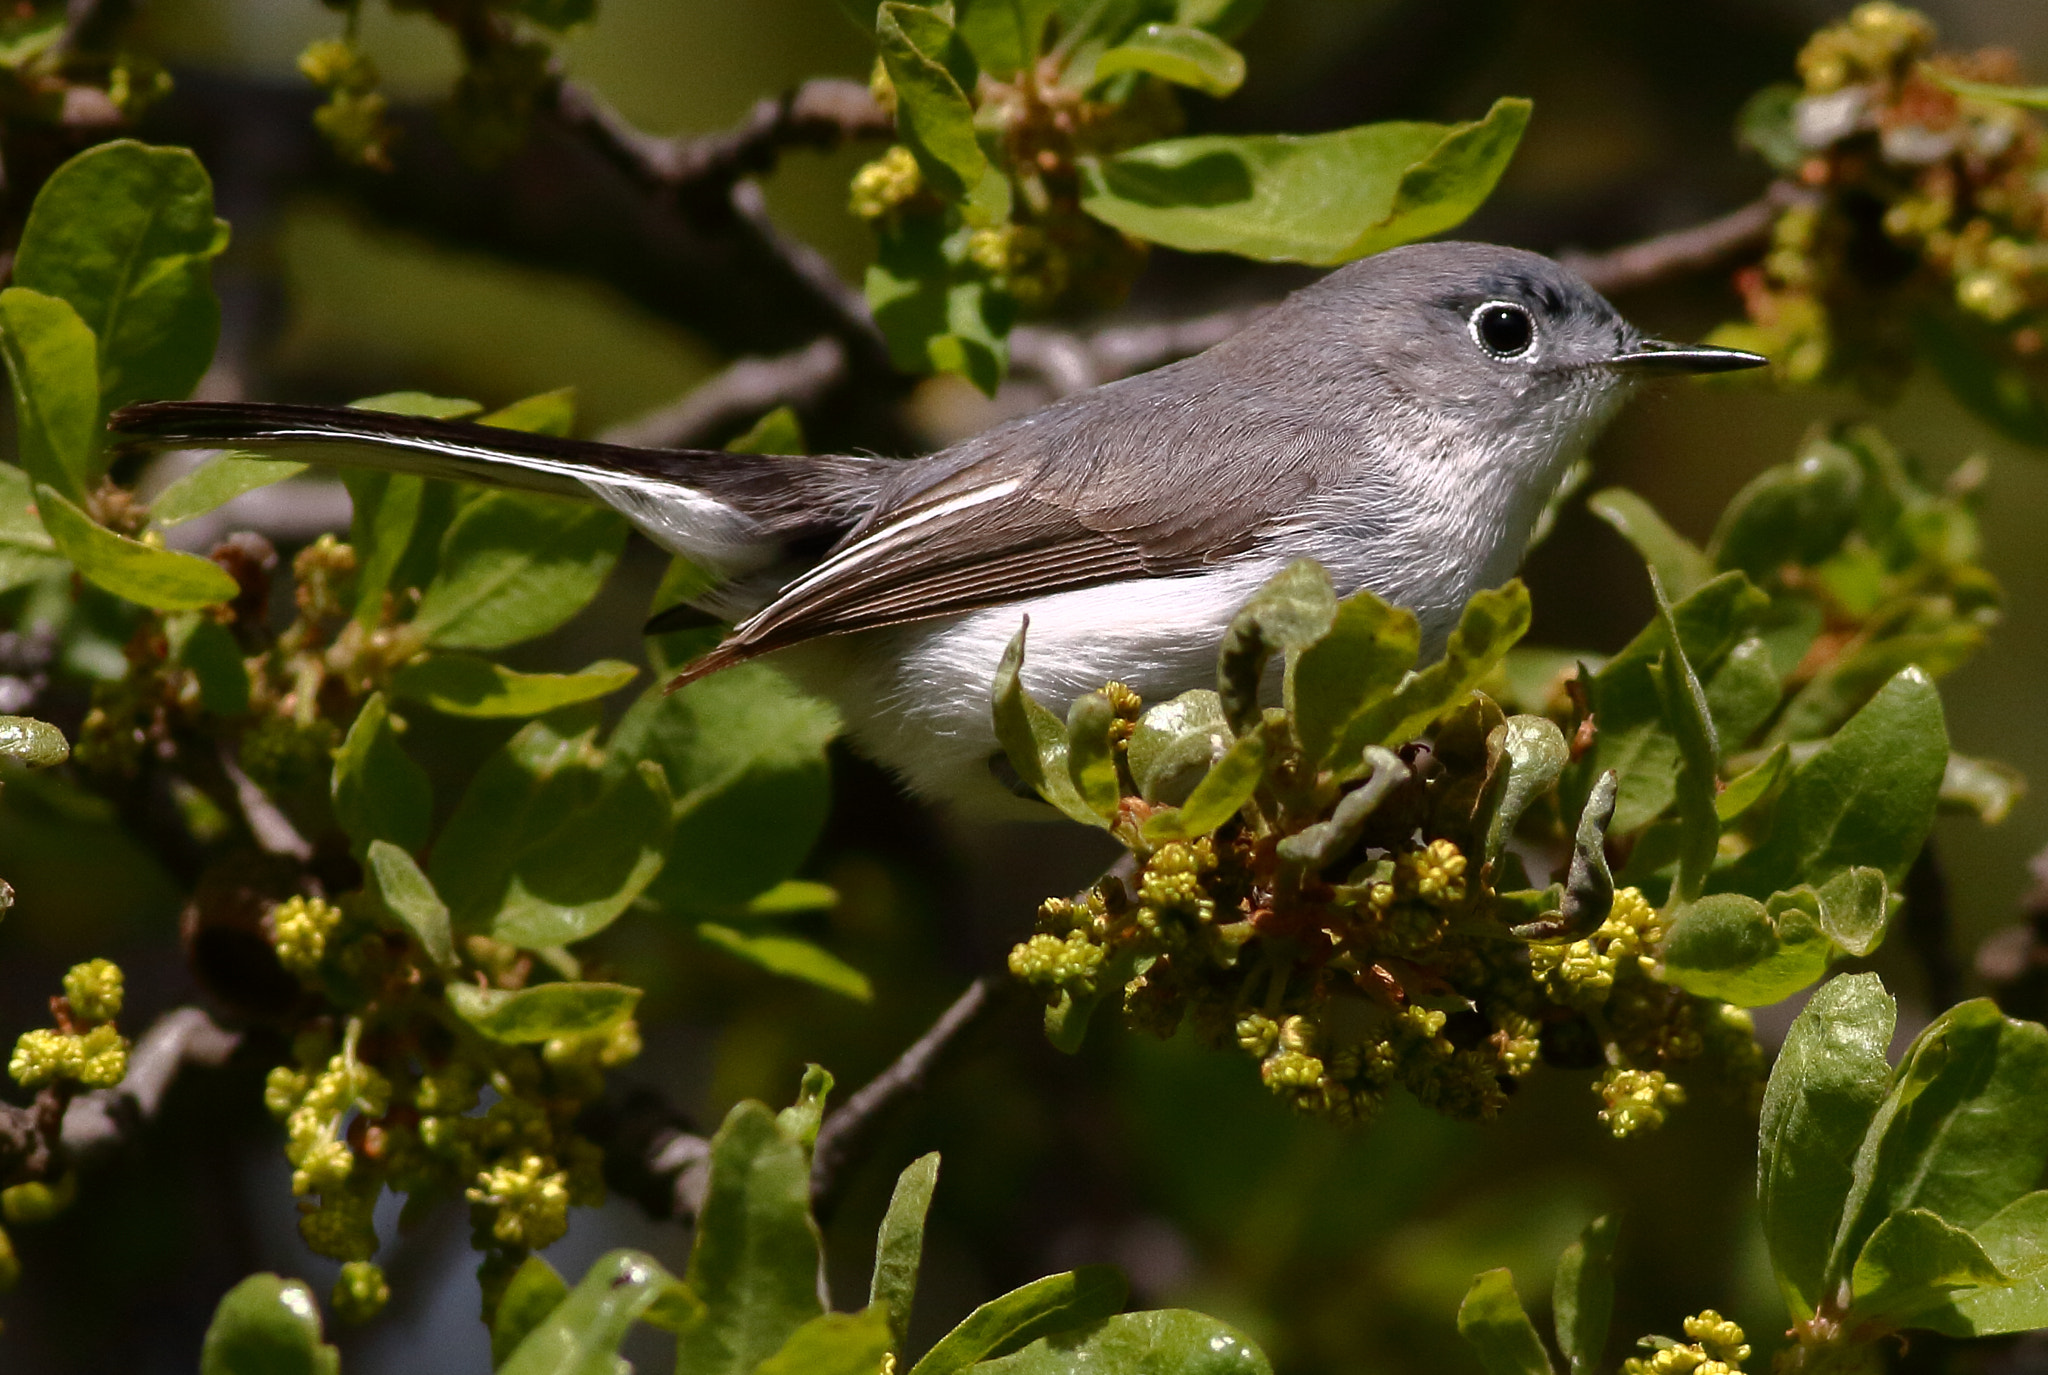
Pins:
<point x="1488" y="323"/>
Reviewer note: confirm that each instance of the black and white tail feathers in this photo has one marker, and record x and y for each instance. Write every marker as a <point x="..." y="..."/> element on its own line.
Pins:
<point x="749" y="517"/>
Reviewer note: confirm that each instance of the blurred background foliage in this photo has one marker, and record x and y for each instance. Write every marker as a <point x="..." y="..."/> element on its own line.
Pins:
<point x="1339" y="1250"/>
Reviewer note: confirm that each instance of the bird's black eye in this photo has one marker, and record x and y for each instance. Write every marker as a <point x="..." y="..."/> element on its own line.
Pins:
<point x="1503" y="329"/>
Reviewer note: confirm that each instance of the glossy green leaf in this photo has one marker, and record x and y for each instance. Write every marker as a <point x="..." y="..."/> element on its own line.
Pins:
<point x="1746" y="790"/>
<point x="1057" y="1303"/>
<point x="834" y="1344"/>
<point x="1178" y="53"/>
<point x="379" y="792"/>
<point x="514" y="566"/>
<point x="1678" y="563"/>
<point x="1866" y="797"/>
<point x="745" y="756"/>
<point x="1033" y="739"/>
<point x="754" y="1260"/>
<point x="1004" y="35"/>
<point x="1797" y="513"/>
<point x="529" y="1016"/>
<point x="36" y="744"/>
<point x="1987" y="788"/>
<point x="1533" y="753"/>
<point x="470" y="685"/>
<point x="162" y="578"/>
<point x="578" y="877"/>
<point x="1489" y="626"/>
<point x="1168" y="1341"/>
<point x="267" y="1325"/>
<point x="581" y="1335"/>
<point x="2016" y="1240"/>
<point x="1913" y="1262"/>
<point x="1743" y="692"/>
<point x="934" y="117"/>
<point x="215" y="483"/>
<point x="1824" y="1090"/>
<point x="936" y="309"/>
<point x="393" y="878"/>
<point x="1854" y="676"/>
<point x="125" y="233"/>
<point x="1369" y="647"/>
<point x="1492" y="1320"/>
<point x="1225" y="789"/>
<point x="1315" y="198"/>
<point x="51" y="363"/>
<point x="1091" y="757"/>
<point x="899" y="1246"/>
<point x="790" y="956"/>
<point x="209" y="649"/>
<point x="1582" y="1295"/>
<point x="1962" y="1130"/>
<point x="1853" y="908"/>
<point x="1732" y="947"/>
<point x="530" y="1295"/>
<point x="1174" y="744"/>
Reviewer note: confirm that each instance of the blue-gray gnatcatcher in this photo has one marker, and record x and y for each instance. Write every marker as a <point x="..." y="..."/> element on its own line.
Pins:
<point x="1402" y="421"/>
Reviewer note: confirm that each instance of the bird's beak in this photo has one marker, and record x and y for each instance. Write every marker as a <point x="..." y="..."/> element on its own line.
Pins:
<point x="1654" y="356"/>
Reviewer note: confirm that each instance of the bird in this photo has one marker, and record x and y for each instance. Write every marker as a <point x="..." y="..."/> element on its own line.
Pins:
<point x="1403" y="421"/>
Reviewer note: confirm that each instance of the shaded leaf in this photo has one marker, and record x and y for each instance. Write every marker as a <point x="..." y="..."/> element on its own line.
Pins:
<point x="1056" y="1303"/>
<point x="469" y="685"/>
<point x="1004" y="35"/>
<point x="1491" y="1318"/>
<point x="1743" y="692"/>
<point x="777" y="432"/>
<point x="899" y="1246"/>
<point x="578" y="877"/>
<point x="1687" y="717"/>
<point x="1169" y="1341"/>
<point x="1913" y="1262"/>
<point x="1797" y="513"/>
<point x="1732" y="947"/>
<point x="210" y="650"/>
<point x="1321" y="842"/>
<point x="581" y="1335"/>
<point x="1091" y="758"/>
<point x="1853" y="907"/>
<point x="790" y="956"/>
<point x="393" y="878"/>
<point x="267" y="1325"/>
<point x="529" y="1016"/>
<point x="514" y="566"/>
<point x="215" y="483"/>
<point x="2016" y="1240"/>
<point x="530" y="1295"/>
<point x="51" y="362"/>
<point x="379" y="792"/>
<point x="931" y="70"/>
<point x="548" y="412"/>
<point x="20" y="526"/>
<point x="1369" y="646"/>
<point x="1582" y="1295"/>
<point x="1225" y="789"/>
<point x="1981" y="372"/>
<point x="1033" y="739"/>
<point x="1174" y="744"/>
<point x="801" y="1119"/>
<point x="1745" y="790"/>
<point x="1315" y="198"/>
<point x="834" y="1344"/>
<point x="1178" y="53"/>
<point x="1985" y="787"/>
<point x="1678" y="563"/>
<point x="937" y="310"/>
<point x="754" y="1261"/>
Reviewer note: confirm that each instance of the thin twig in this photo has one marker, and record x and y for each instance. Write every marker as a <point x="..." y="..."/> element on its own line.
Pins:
<point x="1686" y="250"/>
<point x="272" y="829"/>
<point x="743" y="390"/>
<point x="1070" y="361"/>
<point x="845" y="1132"/>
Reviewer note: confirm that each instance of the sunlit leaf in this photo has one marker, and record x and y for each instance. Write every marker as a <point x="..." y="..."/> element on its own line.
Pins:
<point x="35" y="744"/>
<point x="1913" y="1262"/>
<point x="1056" y="1303"/>
<point x="2016" y="1240"/>
<point x="1678" y="563"/>
<point x="470" y="685"/>
<point x="1750" y="953"/>
<point x="834" y="1344"/>
<point x="1227" y="786"/>
<point x="1174" y="1340"/>
<point x="529" y="1016"/>
<point x="1033" y="739"/>
<point x="267" y="1325"/>
<point x="162" y="578"/>
<point x="790" y="956"/>
<point x="1174" y="744"/>
<point x="51" y="362"/>
<point x="530" y="1295"/>
<point x="1368" y="648"/>
<point x="581" y="1334"/>
<point x="394" y="879"/>
<point x="1178" y="53"/>
<point x="215" y="483"/>
<point x="899" y="1246"/>
<point x="514" y="566"/>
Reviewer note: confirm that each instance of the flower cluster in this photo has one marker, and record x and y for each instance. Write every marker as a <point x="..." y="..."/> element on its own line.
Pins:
<point x="1717" y="1348"/>
<point x="85" y="1049"/>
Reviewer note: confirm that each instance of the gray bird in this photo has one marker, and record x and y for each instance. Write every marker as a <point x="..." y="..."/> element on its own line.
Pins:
<point x="1402" y="421"/>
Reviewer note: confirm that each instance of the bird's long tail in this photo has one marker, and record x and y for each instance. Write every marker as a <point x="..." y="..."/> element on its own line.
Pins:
<point x="737" y="514"/>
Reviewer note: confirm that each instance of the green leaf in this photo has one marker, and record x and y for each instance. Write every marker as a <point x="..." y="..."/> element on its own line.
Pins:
<point x="2016" y="1240"/>
<point x="20" y="526"/>
<point x="1745" y="790"/>
<point x="745" y="756"/>
<point x="1978" y="367"/>
<point x="209" y="649"/>
<point x="1853" y="907"/>
<point x="899" y="1246"/>
<point x="1824" y="1089"/>
<point x="1732" y="947"/>
<point x="1796" y="513"/>
<point x="393" y="878"/>
<point x="215" y="483"/>
<point x="1986" y="788"/>
<point x="793" y="895"/>
<point x="777" y="432"/>
<point x="379" y="792"/>
<point x="1492" y="1320"/>
<point x="1866" y="797"/>
<point x="267" y="1325"/>
<point x="581" y="1335"/>
<point x="1765" y="126"/>
<point x="754" y="1261"/>
<point x="800" y="1121"/>
<point x="427" y="405"/>
<point x="1056" y="1303"/>
<point x="162" y="578"/>
<point x="834" y="1344"/>
<point x="1677" y="561"/>
<point x="1582" y="1295"/>
<point x="1743" y="692"/>
<point x="937" y="310"/>
<point x="2026" y="97"/>
<point x="545" y="774"/>
<point x="1174" y="52"/>
<point x="574" y="880"/>
<point x="1315" y="198"/>
<point x="1913" y="1262"/>
<point x="396" y="514"/>
<point x="1687" y="717"/>
<point x="1489" y="626"/>
<point x="1290" y="612"/>
<point x="1167" y="1341"/>
<point x="1004" y="35"/>
<point x="52" y="364"/>
<point x="1588" y="894"/>
<point x="1224" y="18"/>
<point x="36" y="744"/>
<point x="530" y="1295"/>
<point x="1033" y="739"/>
<point x="1316" y="845"/>
<point x="1175" y="743"/>
<point x="1225" y="789"/>
<point x="1533" y="753"/>
<point x="125" y="233"/>
<point x="1368" y="649"/>
<point x="469" y="685"/>
<point x="24" y="567"/>
<point x="515" y="566"/>
<point x="1850" y="680"/>
<point x="790" y="956"/>
<point x="1962" y="1130"/>
<point x="934" y="117"/>
<point x="1091" y="757"/>
<point x="548" y="412"/>
<point x="529" y="1016"/>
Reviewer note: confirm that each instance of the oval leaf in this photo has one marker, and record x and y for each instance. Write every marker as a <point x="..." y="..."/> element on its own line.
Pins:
<point x="1732" y="947"/>
<point x="1168" y="1339"/>
<point x="581" y="1334"/>
<point x="162" y="578"/>
<point x="215" y="483"/>
<point x="469" y="685"/>
<point x="543" y="1012"/>
<point x="1174" y="52"/>
<point x="37" y="744"/>
<point x="1000" y="1326"/>
<point x="1492" y="1319"/>
<point x="52" y="364"/>
<point x="514" y="566"/>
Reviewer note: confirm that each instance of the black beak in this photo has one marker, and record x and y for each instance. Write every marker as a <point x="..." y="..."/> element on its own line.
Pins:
<point x="1654" y="355"/>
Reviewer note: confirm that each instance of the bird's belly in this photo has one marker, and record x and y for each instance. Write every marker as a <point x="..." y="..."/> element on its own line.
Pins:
<point x="916" y="697"/>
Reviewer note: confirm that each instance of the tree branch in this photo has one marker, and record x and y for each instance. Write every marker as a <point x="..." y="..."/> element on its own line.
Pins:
<point x="1068" y="361"/>
<point x="845" y="1133"/>
<point x="744" y="390"/>
<point x="1686" y="250"/>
